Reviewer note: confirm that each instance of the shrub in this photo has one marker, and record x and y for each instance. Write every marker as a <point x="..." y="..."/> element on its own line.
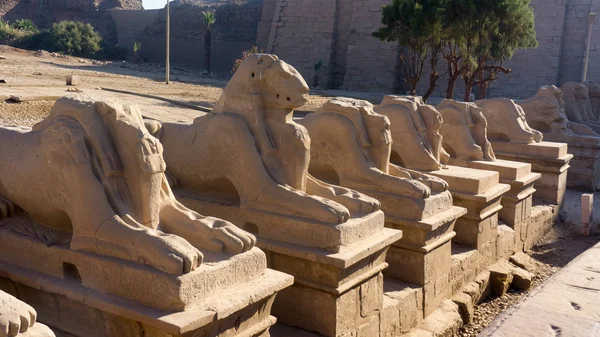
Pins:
<point x="74" y="38"/>
<point x="245" y="54"/>
<point x="10" y="35"/>
<point x="25" y="25"/>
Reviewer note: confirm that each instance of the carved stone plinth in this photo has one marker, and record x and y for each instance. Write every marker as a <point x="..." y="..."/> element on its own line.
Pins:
<point x="517" y="203"/>
<point x="480" y="192"/>
<point x="584" y="171"/>
<point x="549" y="159"/>
<point x="423" y="255"/>
<point x="226" y="296"/>
<point x="337" y="287"/>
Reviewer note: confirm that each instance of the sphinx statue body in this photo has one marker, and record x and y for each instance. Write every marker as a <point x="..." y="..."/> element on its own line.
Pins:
<point x="578" y="107"/>
<point x="551" y="111"/>
<point x="352" y="148"/>
<point x="103" y="231"/>
<point x="248" y="162"/>
<point x="546" y="112"/>
<point x="506" y="122"/>
<point x="95" y="171"/>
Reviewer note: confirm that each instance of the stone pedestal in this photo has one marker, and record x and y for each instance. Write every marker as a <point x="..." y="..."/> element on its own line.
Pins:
<point x="584" y="171"/>
<point x="550" y="159"/>
<point x="517" y="203"/>
<point x="338" y="285"/>
<point x="480" y="192"/>
<point x="423" y="255"/>
<point x="226" y="296"/>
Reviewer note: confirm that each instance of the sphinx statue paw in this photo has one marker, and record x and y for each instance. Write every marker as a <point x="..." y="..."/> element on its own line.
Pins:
<point x="167" y="252"/>
<point x="231" y="238"/>
<point x="434" y="183"/>
<point x="15" y="316"/>
<point x="357" y="202"/>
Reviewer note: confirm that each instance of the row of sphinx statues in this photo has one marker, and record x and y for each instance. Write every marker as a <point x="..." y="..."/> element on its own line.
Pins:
<point x="96" y="178"/>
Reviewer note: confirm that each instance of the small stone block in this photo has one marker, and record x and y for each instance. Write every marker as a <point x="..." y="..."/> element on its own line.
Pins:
<point x="73" y="80"/>
<point x="587" y="208"/>
<point x="500" y="279"/>
<point x="465" y="307"/>
<point x="523" y="261"/>
<point x="522" y="279"/>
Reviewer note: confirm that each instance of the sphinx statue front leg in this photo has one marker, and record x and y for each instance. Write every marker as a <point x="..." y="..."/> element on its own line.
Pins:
<point x="204" y="232"/>
<point x="434" y="183"/>
<point x="96" y="226"/>
<point x="354" y="201"/>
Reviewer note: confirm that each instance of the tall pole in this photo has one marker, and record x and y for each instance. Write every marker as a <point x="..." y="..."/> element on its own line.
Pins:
<point x="167" y="66"/>
<point x="591" y="22"/>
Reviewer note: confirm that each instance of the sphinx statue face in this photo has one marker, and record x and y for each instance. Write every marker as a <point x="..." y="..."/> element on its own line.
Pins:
<point x="546" y="110"/>
<point x="283" y="87"/>
<point x="506" y="121"/>
<point x="458" y="130"/>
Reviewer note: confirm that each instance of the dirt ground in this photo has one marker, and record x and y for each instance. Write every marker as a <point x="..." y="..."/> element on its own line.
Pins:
<point x="23" y="70"/>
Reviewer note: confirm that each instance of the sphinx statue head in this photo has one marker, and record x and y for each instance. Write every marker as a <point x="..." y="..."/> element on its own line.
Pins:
<point x="464" y="131"/>
<point x="546" y="110"/>
<point x="576" y="96"/>
<point x="373" y="129"/>
<point x="415" y="128"/>
<point x="507" y="122"/>
<point x="594" y="95"/>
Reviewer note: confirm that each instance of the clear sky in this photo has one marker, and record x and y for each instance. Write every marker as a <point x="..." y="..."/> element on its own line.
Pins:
<point x="153" y="4"/>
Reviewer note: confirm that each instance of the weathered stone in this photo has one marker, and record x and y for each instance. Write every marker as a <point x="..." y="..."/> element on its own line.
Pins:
<point x="73" y="80"/>
<point x="409" y="303"/>
<point x="522" y="279"/>
<point x="465" y="306"/>
<point x="506" y="242"/>
<point x="523" y="261"/>
<point x="19" y="319"/>
<point x="445" y="321"/>
<point x="500" y="279"/>
<point x="389" y="318"/>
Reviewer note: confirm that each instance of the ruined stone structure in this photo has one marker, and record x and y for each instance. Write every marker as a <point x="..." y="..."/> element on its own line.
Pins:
<point x="338" y="33"/>
<point x="99" y="223"/>
<point x="513" y="139"/>
<point x="546" y="111"/>
<point x="104" y="235"/>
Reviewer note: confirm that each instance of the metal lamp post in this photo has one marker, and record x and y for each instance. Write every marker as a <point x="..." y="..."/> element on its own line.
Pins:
<point x="167" y="66"/>
<point x="591" y="21"/>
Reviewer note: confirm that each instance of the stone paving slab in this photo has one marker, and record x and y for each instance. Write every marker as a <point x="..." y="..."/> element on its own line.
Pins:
<point x="566" y="305"/>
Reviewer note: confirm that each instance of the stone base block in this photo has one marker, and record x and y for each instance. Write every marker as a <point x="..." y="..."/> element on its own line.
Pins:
<point x="584" y="172"/>
<point x="408" y="299"/>
<point x="480" y="192"/>
<point x="333" y="294"/>
<point x="411" y="208"/>
<point x="543" y="218"/>
<point x="468" y="263"/>
<point x="225" y="296"/>
<point x="475" y="232"/>
<point x="304" y="232"/>
<point x="520" y="178"/>
<point x="550" y="159"/>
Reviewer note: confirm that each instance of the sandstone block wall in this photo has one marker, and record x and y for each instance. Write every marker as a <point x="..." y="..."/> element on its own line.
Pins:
<point x="338" y="33"/>
<point x="234" y="31"/>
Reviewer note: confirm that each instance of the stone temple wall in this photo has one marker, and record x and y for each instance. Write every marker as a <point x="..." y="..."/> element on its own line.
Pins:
<point x="234" y="31"/>
<point x="338" y="33"/>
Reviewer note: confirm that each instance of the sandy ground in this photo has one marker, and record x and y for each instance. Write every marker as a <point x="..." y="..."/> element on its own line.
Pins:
<point x="26" y="74"/>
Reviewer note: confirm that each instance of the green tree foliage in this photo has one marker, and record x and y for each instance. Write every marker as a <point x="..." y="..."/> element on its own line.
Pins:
<point x="415" y="26"/>
<point x="74" y="38"/>
<point x="474" y="37"/>
<point x="25" y="25"/>
<point x="484" y="34"/>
